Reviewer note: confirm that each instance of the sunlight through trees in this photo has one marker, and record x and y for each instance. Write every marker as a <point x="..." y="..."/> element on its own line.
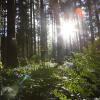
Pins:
<point x="56" y="43"/>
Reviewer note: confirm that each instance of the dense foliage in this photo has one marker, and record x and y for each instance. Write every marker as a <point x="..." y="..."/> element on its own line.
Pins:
<point x="44" y="81"/>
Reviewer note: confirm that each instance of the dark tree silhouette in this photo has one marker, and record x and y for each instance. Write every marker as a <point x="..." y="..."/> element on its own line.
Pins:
<point x="11" y="36"/>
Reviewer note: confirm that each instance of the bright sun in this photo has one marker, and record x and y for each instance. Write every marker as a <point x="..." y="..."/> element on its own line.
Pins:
<point x="67" y="29"/>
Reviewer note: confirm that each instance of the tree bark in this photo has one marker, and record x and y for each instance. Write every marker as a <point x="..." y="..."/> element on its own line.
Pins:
<point x="43" y="36"/>
<point x="11" y="37"/>
<point x="60" y="42"/>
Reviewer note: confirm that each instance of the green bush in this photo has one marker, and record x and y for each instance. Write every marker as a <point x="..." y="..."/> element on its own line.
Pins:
<point x="33" y="82"/>
<point x="43" y="81"/>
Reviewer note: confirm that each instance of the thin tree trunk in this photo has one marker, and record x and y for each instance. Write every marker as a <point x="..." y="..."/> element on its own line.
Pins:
<point x="90" y="18"/>
<point x="43" y="35"/>
<point x="34" y="32"/>
<point x="97" y="17"/>
<point x="53" y="38"/>
<point x="60" y="44"/>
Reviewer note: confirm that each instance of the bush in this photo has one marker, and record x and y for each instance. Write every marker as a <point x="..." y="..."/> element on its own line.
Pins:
<point x="32" y="81"/>
<point x="45" y="81"/>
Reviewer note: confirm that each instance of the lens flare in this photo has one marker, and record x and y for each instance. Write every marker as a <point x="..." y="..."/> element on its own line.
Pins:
<point x="67" y="29"/>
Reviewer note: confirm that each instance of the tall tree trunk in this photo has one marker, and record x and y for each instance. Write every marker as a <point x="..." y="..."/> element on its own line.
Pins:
<point x="11" y="38"/>
<point x="60" y="44"/>
<point x="34" y="32"/>
<point x="97" y="16"/>
<point x="23" y="31"/>
<point x="89" y="3"/>
<point x="43" y="38"/>
<point x="53" y="38"/>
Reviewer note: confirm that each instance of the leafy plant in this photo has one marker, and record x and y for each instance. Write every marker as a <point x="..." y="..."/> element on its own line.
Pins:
<point x="43" y="81"/>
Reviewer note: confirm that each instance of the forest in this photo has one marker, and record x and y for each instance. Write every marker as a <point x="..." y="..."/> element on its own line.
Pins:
<point x="49" y="49"/>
